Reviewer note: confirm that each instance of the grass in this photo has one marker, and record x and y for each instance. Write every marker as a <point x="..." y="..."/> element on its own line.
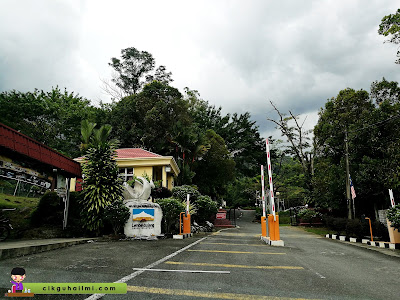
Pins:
<point x="9" y="201"/>
<point x="19" y="218"/>
<point x="317" y="230"/>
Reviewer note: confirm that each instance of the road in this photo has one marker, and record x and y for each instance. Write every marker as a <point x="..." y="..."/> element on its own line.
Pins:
<point x="230" y="264"/>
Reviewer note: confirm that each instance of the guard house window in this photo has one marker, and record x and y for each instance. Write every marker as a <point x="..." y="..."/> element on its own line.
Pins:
<point x="126" y="173"/>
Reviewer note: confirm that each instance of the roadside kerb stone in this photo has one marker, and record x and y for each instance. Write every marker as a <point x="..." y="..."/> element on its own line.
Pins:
<point x="22" y="248"/>
<point x="386" y="245"/>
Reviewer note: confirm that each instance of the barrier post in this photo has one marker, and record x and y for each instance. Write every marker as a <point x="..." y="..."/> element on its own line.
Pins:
<point x="186" y="223"/>
<point x="273" y="227"/>
<point x="263" y="226"/>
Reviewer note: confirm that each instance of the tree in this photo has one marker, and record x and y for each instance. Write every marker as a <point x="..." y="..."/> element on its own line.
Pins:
<point x="52" y="118"/>
<point x="240" y="134"/>
<point x="102" y="185"/>
<point x="373" y="135"/>
<point x="244" y="143"/>
<point x="385" y="91"/>
<point x="243" y="191"/>
<point x="132" y="71"/>
<point x="390" y="26"/>
<point x="216" y="169"/>
<point x="299" y="145"/>
<point x="147" y="119"/>
<point x="86" y="134"/>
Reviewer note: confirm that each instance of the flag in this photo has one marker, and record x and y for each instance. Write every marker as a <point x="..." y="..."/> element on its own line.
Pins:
<point x="353" y="191"/>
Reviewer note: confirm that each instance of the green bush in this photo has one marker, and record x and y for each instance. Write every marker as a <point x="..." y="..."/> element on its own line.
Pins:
<point x="307" y="215"/>
<point x="171" y="208"/>
<point x="339" y="225"/>
<point x="258" y="214"/>
<point x="161" y="193"/>
<point x="284" y="219"/>
<point x="50" y="211"/>
<point x="116" y="214"/>
<point x="380" y="231"/>
<point x="74" y="221"/>
<point x="393" y="216"/>
<point x="182" y="191"/>
<point x="356" y="228"/>
<point x="206" y="208"/>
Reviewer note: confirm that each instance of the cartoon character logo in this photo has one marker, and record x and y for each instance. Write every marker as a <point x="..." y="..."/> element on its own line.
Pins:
<point x="17" y="275"/>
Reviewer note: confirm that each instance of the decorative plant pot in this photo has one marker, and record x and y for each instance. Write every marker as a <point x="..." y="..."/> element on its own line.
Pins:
<point x="394" y="234"/>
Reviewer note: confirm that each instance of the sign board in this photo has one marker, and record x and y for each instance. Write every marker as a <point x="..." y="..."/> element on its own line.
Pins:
<point x="145" y="219"/>
<point x="221" y="215"/>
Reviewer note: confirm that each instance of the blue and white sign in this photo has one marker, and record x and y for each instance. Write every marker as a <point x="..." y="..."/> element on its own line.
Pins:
<point x="143" y="214"/>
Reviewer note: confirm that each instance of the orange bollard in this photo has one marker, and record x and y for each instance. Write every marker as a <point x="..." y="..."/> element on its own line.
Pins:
<point x="263" y="226"/>
<point x="273" y="228"/>
<point x="186" y="224"/>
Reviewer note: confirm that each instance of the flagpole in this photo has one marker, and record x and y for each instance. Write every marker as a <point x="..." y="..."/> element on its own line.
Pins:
<point x="348" y="176"/>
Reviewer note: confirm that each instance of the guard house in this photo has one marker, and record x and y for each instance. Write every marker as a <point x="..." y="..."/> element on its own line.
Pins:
<point x="26" y="163"/>
<point x="139" y="162"/>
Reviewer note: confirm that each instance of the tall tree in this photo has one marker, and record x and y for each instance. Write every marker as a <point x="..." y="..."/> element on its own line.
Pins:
<point x="390" y="26"/>
<point x="373" y="142"/>
<point x="132" y="71"/>
<point x="216" y="169"/>
<point x="299" y="143"/>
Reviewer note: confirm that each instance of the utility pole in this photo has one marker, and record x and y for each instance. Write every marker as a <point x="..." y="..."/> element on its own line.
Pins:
<point x="349" y="214"/>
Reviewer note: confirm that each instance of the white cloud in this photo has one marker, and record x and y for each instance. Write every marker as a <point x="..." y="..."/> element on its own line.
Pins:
<point x="237" y="54"/>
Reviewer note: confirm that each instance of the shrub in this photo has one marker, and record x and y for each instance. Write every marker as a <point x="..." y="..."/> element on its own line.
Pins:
<point x="171" y="208"/>
<point x="50" y="211"/>
<point x="355" y="228"/>
<point x="206" y="208"/>
<point x="182" y="191"/>
<point x="74" y="221"/>
<point x="393" y="216"/>
<point x="116" y="214"/>
<point x="307" y="215"/>
<point x="258" y="214"/>
<point x="161" y="193"/>
<point x="339" y="225"/>
<point x="380" y="230"/>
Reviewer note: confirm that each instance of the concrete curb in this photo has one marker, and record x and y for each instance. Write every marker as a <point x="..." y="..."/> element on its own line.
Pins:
<point x="386" y="245"/>
<point x="182" y="236"/>
<point x="22" y="248"/>
<point x="268" y="241"/>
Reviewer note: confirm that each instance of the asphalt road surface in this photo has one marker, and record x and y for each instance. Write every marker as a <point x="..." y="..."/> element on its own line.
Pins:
<point x="229" y="264"/>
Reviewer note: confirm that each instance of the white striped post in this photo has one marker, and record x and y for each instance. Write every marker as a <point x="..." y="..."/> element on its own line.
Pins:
<point x="271" y="186"/>
<point x="187" y="204"/>
<point x="263" y="190"/>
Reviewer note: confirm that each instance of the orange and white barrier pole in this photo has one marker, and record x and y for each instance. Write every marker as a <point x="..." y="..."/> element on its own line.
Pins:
<point x="186" y="218"/>
<point x="273" y="223"/>
<point x="263" y="218"/>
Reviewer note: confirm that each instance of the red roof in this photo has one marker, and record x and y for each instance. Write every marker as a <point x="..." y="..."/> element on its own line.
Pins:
<point x="135" y="153"/>
<point x="25" y="145"/>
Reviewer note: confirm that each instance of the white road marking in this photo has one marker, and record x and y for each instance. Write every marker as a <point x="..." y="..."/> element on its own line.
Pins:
<point x="183" y="271"/>
<point x="134" y="274"/>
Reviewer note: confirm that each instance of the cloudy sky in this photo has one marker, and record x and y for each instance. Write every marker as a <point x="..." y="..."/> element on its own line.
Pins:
<point x="237" y="54"/>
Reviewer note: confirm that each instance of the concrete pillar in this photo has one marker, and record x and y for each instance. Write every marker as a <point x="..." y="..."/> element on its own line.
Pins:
<point x="164" y="177"/>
